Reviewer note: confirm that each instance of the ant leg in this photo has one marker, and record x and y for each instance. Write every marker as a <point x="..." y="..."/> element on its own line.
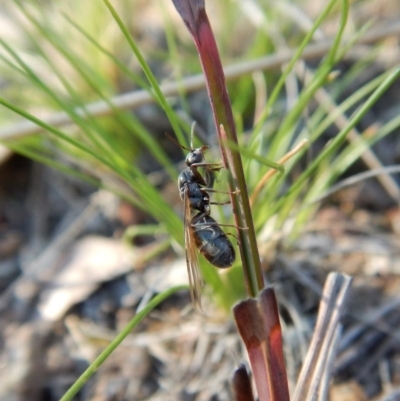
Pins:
<point x="217" y="224"/>
<point x="209" y="166"/>
<point x="206" y="190"/>
<point x="196" y="218"/>
<point x="234" y="236"/>
<point x="237" y="227"/>
<point x="220" y="192"/>
<point x="199" y="178"/>
<point x="221" y="203"/>
<point x="209" y="172"/>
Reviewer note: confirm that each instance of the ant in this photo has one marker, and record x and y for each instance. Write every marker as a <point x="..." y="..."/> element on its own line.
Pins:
<point x="201" y="231"/>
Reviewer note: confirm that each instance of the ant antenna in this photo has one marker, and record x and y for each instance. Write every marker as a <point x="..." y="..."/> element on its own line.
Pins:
<point x="176" y="142"/>
<point x="192" y="130"/>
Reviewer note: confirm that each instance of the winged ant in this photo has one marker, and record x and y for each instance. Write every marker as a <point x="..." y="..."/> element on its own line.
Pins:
<point x="201" y="230"/>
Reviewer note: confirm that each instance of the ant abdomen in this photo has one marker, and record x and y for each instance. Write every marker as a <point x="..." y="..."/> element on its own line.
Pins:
<point x="212" y="242"/>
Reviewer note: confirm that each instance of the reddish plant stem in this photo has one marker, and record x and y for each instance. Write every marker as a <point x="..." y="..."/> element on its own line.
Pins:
<point x="195" y="17"/>
<point x="259" y="326"/>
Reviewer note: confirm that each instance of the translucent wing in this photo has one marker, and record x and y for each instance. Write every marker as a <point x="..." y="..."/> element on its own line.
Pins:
<point x="192" y="262"/>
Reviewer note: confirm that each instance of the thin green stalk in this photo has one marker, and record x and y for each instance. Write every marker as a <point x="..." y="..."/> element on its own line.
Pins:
<point x="34" y="155"/>
<point x="284" y="134"/>
<point x="94" y="130"/>
<point x="156" y="91"/>
<point x="275" y="93"/>
<point x="283" y="137"/>
<point x="151" y="198"/>
<point x="351" y="101"/>
<point x="55" y="131"/>
<point x="118" y="340"/>
<point x="128" y="72"/>
<point x="26" y="70"/>
<point x="340" y="138"/>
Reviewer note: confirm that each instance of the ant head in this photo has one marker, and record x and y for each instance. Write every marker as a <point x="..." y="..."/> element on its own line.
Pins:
<point x="195" y="156"/>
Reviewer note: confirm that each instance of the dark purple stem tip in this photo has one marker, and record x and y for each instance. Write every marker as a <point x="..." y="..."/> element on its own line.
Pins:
<point x="189" y="10"/>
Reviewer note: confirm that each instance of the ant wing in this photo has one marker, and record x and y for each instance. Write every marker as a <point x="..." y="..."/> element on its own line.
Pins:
<point x="192" y="261"/>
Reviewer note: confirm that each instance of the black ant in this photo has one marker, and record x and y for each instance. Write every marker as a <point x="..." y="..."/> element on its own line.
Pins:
<point x="201" y="231"/>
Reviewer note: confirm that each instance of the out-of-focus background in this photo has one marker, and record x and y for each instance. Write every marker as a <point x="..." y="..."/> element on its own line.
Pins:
<point x="81" y="249"/>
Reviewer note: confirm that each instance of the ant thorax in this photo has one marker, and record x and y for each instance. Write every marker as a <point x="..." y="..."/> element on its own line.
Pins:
<point x="198" y="197"/>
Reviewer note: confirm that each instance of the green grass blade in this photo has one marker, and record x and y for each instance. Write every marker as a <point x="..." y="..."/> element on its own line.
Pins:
<point x="275" y="93"/>
<point x="151" y="78"/>
<point x="334" y="145"/>
<point x="68" y="396"/>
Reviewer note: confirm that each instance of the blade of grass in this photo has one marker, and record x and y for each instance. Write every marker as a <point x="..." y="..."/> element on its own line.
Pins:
<point x="352" y="153"/>
<point x="122" y="67"/>
<point x="100" y="137"/>
<point x="271" y="173"/>
<point x="388" y="80"/>
<point x="193" y="83"/>
<point x="35" y="155"/>
<point x="152" y="200"/>
<point x="323" y="174"/>
<point x="282" y="138"/>
<point x="348" y="103"/>
<point x="354" y="179"/>
<point x="353" y="136"/>
<point x="333" y="146"/>
<point x="77" y="118"/>
<point x="68" y="396"/>
<point x="275" y="93"/>
<point x="55" y="131"/>
<point x="157" y="93"/>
